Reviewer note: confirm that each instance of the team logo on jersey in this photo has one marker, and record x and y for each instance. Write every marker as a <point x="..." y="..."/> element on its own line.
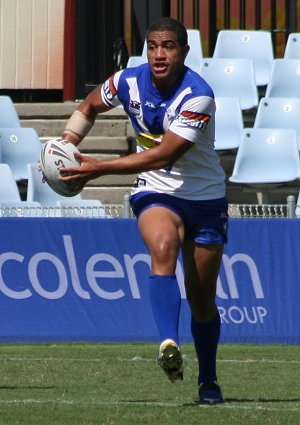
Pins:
<point x="194" y="119"/>
<point x="135" y="108"/>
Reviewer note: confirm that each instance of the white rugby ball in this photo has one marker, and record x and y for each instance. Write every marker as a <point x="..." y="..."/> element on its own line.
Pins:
<point x="57" y="154"/>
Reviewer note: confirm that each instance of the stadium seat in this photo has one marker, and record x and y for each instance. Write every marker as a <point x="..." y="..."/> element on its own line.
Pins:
<point x="195" y="55"/>
<point x="279" y="112"/>
<point x="292" y="47"/>
<point x="135" y="61"/>
<point x="8" y="116"/>
<point x="9" y="191"/>
<point x="232" y="78"/>
<point x="39" y="191"/>
<point x="11" y="204"/>
<point x="229" y="123"/>
<point x="285" y="78"/>
<point x="266" y="158"/>
<point x="19" y="147"/>
<point x="246" y="44"/>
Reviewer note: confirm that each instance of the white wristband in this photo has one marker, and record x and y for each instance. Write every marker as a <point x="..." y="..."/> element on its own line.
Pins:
<point x="78" y="125"/>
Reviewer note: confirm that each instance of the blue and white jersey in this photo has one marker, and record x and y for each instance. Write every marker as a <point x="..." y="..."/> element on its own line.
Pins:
<point x="188" y="110"/>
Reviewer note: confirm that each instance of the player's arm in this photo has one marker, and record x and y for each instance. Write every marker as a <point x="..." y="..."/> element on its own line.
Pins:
<point x="161" y="156"/>
<point x="83" y="118"/>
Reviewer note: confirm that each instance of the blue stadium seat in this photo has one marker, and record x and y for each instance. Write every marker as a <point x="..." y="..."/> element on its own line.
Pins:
<point x="8" y="114"/>
<point x="232" y="78"/>
<point x="9" y="191"/>
<point x="135" y="61"/>
<point x="19" y="147"/>
<point x="285" y="78"/>
<point x="279" y="112"/>
<point x="195" y="55"/>
<point x="246" y="44"/>
<point x="229" y="123"/>
<point x="11" y="204"/>
<point x="265" y="159"/>
<point x="292" y="47"/>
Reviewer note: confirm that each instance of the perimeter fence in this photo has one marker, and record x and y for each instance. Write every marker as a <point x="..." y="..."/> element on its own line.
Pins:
<point x="244" y="211"/>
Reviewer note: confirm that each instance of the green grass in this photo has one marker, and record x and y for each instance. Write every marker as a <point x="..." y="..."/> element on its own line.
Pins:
<point x="120" y="384"/>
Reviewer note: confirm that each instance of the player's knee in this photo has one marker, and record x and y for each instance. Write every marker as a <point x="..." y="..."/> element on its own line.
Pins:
<point x="164" y="247"/>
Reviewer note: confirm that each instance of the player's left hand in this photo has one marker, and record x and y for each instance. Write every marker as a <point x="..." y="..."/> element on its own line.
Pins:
<point x="88" y="170"/>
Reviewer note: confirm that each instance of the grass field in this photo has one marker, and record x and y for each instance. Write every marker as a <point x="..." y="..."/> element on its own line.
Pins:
<point x="121" y="384"/>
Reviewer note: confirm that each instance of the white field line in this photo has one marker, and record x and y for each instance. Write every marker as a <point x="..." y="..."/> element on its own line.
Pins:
<point x="140" y="359"/>
<point x="230" y="405"/>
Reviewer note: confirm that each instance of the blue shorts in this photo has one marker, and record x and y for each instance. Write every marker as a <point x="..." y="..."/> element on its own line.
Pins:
<point x="205" y="222"/>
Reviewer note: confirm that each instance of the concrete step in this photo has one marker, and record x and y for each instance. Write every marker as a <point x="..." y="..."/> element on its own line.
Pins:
<point x="105" y="145"/>
<point x="60" y="110"/>
<point x="113" y="180"/>
<point x="107" y="195"/>
<point x="55" y="127"/>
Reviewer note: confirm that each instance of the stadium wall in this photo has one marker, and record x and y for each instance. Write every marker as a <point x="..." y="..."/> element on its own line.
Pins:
<point x="86" y="280"/>
<point x="32" y="41"/>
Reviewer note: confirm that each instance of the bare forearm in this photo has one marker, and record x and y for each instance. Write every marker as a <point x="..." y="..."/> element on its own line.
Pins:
<point x="134" y="163"/>
<point x="83" y="118"/>
<point x="158" y="157"/>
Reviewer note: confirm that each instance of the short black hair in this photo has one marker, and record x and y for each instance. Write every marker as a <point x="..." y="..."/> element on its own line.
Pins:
<point x="170" y="24"/>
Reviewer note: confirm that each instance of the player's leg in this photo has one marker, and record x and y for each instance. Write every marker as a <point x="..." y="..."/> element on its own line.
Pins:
<point x="202" y="264"/>
<point x="162" y="231"/>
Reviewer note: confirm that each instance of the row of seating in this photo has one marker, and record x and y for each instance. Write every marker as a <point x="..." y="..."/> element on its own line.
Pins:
<point x="268" y="153"/>
<point x="242" y="61"/>
<point x="234" y="44"/>
<point x="272" y="112"/>
<point x="231" y="77"/>
<point x="241" y="44"/>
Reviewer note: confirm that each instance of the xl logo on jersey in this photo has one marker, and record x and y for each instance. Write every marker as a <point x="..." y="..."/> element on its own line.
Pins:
<point x="149" y="104"/>
<point x="135" y="108"/>
<point x="194" y="119"/>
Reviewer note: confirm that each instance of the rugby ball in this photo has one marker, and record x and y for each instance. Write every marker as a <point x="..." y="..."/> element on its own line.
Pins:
<point x="57" y="154"/>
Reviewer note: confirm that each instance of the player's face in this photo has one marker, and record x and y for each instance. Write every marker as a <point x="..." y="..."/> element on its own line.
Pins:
<point x="166" y="58"/>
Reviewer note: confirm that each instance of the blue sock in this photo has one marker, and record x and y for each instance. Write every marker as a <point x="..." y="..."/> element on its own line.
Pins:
<point x="165" y="300"/>
<point x="206" y="338"/>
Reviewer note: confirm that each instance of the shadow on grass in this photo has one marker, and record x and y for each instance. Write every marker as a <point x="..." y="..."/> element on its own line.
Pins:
<point x="26" y="387"/>
<point x="262" y="400"/>
<point x="227" y="401"/>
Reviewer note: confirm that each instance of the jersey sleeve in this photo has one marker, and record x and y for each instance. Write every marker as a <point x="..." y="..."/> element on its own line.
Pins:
<point x="109" y="90"/>
<point x="194" y="118"/>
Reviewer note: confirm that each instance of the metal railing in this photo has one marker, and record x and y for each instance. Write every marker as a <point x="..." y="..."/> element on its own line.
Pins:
<point x="263" y="210"/>
<point x="243" y="211"/>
